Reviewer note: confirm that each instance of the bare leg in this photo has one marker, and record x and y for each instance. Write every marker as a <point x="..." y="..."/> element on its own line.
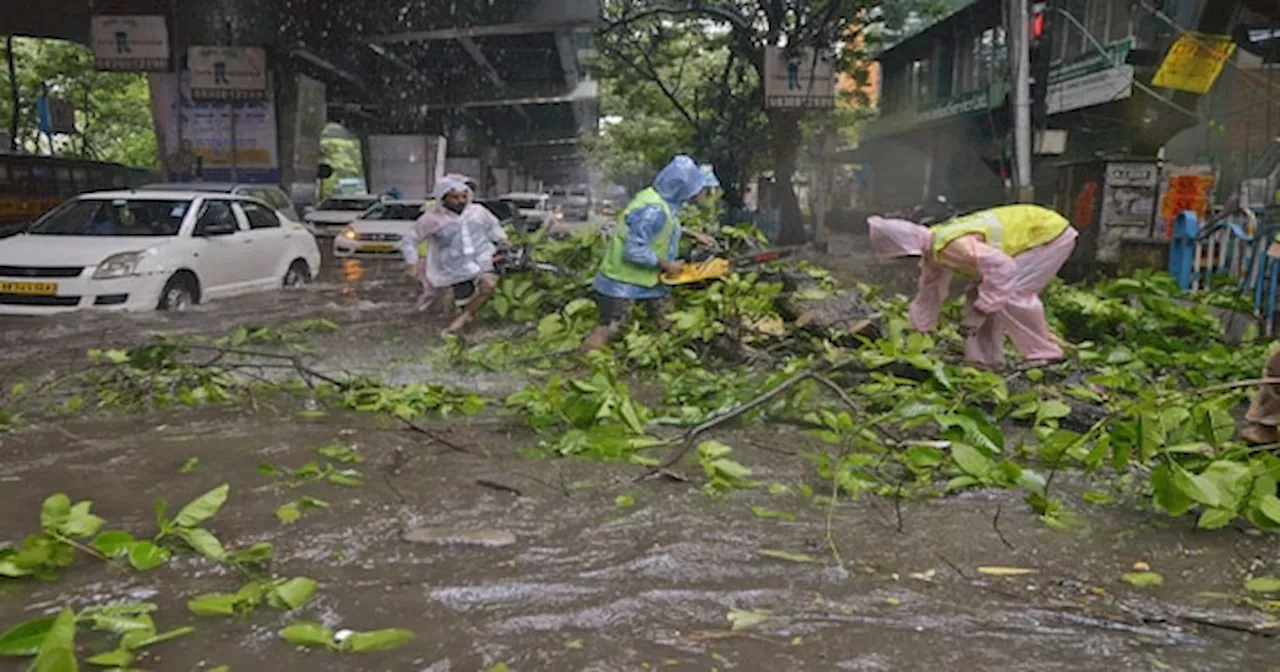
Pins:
<point x="485" y="285"/>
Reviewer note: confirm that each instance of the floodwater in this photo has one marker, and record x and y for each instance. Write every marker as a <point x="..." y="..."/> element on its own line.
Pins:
<point x="589" y="584"/>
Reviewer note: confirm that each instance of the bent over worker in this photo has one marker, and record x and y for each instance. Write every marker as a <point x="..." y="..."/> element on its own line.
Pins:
<point x="1010" y="253"/>
<point x="644" y="245"/>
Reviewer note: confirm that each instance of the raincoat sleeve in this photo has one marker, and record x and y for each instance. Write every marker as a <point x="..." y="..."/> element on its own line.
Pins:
<point x="642" y="225"/>
<point x="999" y="274"/>
<point x="418" y="233"/>
<point x="926" y="308"/>
<point x="494" y="228"/>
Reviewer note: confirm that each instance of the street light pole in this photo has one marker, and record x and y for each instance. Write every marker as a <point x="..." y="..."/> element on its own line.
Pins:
<point x="1020" y="71"/>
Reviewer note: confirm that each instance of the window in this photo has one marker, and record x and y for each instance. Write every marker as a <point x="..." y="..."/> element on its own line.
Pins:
<point x="216" y="215"/>
<point x="260" y="217"/>
<point x="117" y="217"/>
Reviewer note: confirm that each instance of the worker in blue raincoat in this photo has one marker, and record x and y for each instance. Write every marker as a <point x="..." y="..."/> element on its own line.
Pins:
<point x="644" y="246"/>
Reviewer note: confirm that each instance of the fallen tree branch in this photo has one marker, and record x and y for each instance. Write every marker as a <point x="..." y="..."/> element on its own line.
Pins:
<point x="435" y="436"/>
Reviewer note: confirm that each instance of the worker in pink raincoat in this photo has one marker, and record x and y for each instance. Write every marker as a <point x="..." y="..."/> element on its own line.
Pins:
<point x="1009" y="252"/>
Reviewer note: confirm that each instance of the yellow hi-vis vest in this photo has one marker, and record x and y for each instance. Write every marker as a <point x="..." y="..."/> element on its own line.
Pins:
<point x="1012" y="229"/>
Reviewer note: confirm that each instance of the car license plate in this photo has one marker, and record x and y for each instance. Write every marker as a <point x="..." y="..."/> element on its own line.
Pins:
<point x="29" y="288"/>
<point x="378" y="247"/>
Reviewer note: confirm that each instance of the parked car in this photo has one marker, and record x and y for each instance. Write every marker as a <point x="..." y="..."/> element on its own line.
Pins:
<point x="577" y="205"/>
<point x="377" y="233"/>
<point x="152" y="249"/>
<point x="336" y="212"/>
<point x="270" y="194"/>
<point x="505" y="211"/>
<point x="535" y="212"/>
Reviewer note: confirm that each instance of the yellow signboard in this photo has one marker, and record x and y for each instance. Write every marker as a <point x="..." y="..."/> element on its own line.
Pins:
<point x="1194" y="62"/>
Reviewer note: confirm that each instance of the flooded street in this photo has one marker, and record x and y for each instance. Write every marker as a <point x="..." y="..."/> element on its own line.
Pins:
<point x="574" y="564"/>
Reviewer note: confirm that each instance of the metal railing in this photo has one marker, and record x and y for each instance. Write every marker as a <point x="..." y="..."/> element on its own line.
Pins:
<point x="1231" y="248"/>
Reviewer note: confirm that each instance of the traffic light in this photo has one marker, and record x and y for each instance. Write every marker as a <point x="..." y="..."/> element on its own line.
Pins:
<point x="1041" y="51"/>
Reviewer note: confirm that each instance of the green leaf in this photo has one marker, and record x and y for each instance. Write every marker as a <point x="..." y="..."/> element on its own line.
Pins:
<point x="348" y="477"/>
<point x="54" y="511"/>
<point x="79" y="522"/>
<point x="970" y="460"/>
<point x="1263" y="584"/>
<point x="762" y="512"/>
<point x="730" y="469"/>
<point x="377" y="640"/>
<point x="1151" y="435"/>
<point x="625" y="500"/>
<point x="1269" y="506"/>
<point x="220" y="668"/>
<point x="1197" y="488"/>
<point x="203" y="507"/>
<point x="292" y="593"/>
<point x="189" y="466"/>
<point x="162" y="637"/>
<point x="306" y="633"/>
<point x="213" y="604"/>
<point x="116" y="658"/>
<point x="204" y="543"/>
<point x="788" y="556"/>
<point x="308" y="502"/>
<point x="114" y="544"/>
<point x="1215" y="518"/>
<point x="744" y="618"/>
<point x="1166" y="496"/>
<point x="24" y="639"/>
<point x="289" y="513"/>
<point x="632" y="419"/>
<point x="1142" y="579"/>
<point x="1052" y="410"/>
<point x="57" y="651"/>
<point x="145" y="555"/>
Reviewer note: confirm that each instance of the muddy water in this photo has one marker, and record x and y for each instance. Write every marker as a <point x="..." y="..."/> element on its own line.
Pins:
<point x="588" y="584"/>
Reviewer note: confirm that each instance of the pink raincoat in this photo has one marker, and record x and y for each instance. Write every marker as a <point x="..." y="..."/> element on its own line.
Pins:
<point x="1004" y="301"/>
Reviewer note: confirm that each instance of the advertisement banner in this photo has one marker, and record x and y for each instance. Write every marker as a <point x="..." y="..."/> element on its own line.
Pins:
<point x="130" y="43"/>
<point x="196" y="135"/>
<point x="228" y="73"/>
<point x="1185" y="188"/>
<point x="1194" y="62"/>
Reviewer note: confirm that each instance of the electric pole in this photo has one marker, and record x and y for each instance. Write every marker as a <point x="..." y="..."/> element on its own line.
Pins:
<point x="1020" y="74"/>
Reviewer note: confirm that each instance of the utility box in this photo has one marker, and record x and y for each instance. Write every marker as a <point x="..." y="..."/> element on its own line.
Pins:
<point x="411" y="163"/>
<point x="1112" y="204"/>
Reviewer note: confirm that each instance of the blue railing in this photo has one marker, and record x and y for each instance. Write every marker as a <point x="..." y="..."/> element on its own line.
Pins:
<point x="1227" y="250"/>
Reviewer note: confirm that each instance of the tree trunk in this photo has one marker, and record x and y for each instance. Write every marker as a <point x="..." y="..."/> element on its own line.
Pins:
<point x="784" y="133"/>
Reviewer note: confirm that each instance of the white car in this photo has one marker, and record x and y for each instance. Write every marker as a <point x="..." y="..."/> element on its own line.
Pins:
<point x="143" y="250"/>
<point x="335" y="212"/>
<point x="535" y="210"/>
<point x="377" y="233"/>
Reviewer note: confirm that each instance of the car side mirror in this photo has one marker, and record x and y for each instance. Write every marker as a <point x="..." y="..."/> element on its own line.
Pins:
<point x="215" y="229"/>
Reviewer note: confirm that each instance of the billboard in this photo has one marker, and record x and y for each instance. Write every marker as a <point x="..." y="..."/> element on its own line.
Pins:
<point x="803" y="78"/>
<point x="130" y="43"/>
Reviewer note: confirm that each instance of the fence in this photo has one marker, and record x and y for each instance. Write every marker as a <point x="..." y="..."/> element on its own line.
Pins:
<point x="1232" y="249"/>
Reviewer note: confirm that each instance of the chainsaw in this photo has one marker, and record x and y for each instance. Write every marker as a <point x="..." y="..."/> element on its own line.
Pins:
<point x="519" y="258"/>
<point x="700" y="266"/>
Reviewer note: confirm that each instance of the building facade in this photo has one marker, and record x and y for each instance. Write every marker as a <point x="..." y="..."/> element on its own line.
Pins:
<point x="944" y="124"/>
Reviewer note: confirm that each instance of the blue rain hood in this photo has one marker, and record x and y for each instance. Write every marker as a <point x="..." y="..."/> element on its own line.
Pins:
<point x="680" y="181"/>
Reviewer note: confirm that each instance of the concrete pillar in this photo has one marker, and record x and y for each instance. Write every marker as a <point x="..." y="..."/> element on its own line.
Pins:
<point x="302" y="116"/>
<point x="410" y="163"/>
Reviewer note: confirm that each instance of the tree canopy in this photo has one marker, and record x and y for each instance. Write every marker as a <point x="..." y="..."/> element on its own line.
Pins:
<point x="688" y="77"/>
<point x="113" y="109"/>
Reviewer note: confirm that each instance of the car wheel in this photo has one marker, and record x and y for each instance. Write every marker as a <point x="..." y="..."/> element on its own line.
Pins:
<point x="178" y="294"/>
<point x="297" y="275"/>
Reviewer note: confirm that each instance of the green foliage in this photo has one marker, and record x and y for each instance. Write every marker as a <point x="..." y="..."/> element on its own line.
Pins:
<point x="410" y="401"/>
<point x="283" y="594"/>
<point x="186" y="525"/>
<point x="309" y="634"/>
<point x="52" y="639"/>
<point x="113" y="110"/>
<point x="42" y="555"/>
<point x="722" y="473"/>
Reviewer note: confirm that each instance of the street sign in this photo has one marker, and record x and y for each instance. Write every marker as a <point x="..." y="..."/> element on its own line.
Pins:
<point x="56" y="115"/>
<point x="799" y="78"/>
<point x="228" y="73"/>
<point x="1194" y="62"/>
<point x="130" y="43"/>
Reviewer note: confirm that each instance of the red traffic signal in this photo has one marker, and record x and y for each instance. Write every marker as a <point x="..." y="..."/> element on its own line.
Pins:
<point x="1037" y="26"/>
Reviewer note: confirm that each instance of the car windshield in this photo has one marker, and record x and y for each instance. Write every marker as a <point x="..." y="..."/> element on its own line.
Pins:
<point x="346" y="204"/>
<point x="500" y="209"/>
<point x="398" y="211"/>
<point x="114" y="217"/>
<point x="524" y="203"/>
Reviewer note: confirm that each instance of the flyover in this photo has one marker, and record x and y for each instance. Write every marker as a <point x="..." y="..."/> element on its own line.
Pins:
<point x="503" y="80"/>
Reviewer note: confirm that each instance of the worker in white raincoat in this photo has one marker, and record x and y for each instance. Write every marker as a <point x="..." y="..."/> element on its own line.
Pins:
<point x="462" y="238"/>
<point x="1009" y="252"/>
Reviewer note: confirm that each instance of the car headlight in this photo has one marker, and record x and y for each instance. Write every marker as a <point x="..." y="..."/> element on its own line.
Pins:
<point x="350" y="234"/>
<point x="118" y="265"/>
